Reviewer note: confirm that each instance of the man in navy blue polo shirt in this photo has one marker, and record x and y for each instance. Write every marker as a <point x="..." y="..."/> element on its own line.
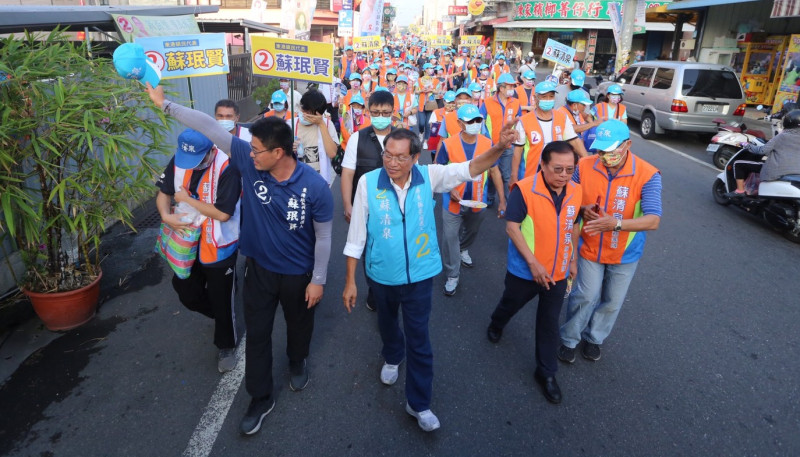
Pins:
<point x="287" y="212"/>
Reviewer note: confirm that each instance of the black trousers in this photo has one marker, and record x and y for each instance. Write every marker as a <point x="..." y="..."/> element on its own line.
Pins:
<point x="263" y="291"/>
<point x="517" y="294"/>
<point x="210" y="291"/>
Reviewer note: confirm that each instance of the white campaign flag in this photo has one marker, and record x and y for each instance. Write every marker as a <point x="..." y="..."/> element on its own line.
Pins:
<point x="371" y="17"/>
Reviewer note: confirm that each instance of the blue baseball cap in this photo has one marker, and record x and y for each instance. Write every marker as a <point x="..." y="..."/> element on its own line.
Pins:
<point x="545" y="87"/>
<point x="381" y="89"/>
<point x="463" y="90"/>
<point x="614" y="89"/>
<point x="357" y="98"/>
<point x="374" y="66"/>
<point x="449" y="96"/>
<point x="501" y="57"/>
<point x="348" y="48"/>
<point x="426" y="66"/>
<point x="397" y="53"/>
<point x="131" y="63"/>
<point x="278" y="96"/>
<point x="439" y="67"/>
<point x="506" y="78"/>
<point x="530" y="74"/>
<point x="468" y="112"/>
<point x="192" y="149"/>
<point x="483" y="67"/>
<point x="577" y="77"/>
<point x="475" y="87"/>
<point x="578" y="96"/>
<point x="354" y="76"/>
<point x="402" y="79"/>
<point x="391" y="71"/>
<point x="610" y="134"/>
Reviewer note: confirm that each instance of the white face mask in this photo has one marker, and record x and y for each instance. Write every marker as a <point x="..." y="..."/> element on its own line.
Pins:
<point x="473" y="129"/>
<point x="357" y="111"/>
<point x="614" y="98"/>
<point x="355" y="84"/>
<point x="510" y="92"/>
<point x="284" y="85"/>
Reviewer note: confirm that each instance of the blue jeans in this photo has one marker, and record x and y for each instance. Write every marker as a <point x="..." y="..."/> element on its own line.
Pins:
<point x="415" y="345"/>
<point x="596" y="298"/>
<point x="504" y="164"/>
<point x="423" y="117"/>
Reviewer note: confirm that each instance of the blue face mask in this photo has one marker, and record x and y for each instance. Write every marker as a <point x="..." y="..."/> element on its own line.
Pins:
<point x="546" y="105"/>
<point x="278" y="107"/>
<point x="381" y="122"/>
<point x="227" y="124"/>
<point x="303" y="119"/>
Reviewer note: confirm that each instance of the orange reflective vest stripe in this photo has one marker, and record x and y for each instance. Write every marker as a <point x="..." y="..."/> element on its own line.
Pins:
<point x="451" y="123"/>
<point x="286" y="114"/>
<point x="456" y="154"/>
<point x="621" y="197"/>
<point x="523" y="98"/>
<point x="408" y="102"/>
<point x="534" y="140"/>
<point x="218" y="239"/>
<point x="496" y="116"/>
<point x="548" y="234"/>
<point x="602" y="111"/>
<point x="346" y="133"/>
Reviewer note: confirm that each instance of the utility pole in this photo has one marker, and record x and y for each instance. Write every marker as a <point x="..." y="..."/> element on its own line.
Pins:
<point x="626" y="35"/>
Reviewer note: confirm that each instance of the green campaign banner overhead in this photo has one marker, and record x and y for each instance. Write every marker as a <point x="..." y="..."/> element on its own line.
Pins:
<point x="568" y="9"/>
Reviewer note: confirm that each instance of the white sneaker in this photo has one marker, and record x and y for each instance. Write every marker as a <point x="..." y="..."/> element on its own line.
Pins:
<point x="450" y="286"/>
<point x="389" y="373"/>
<point x="425" y="145"/>
<point x="466" y="260"/>
<point x="426" y="419"/>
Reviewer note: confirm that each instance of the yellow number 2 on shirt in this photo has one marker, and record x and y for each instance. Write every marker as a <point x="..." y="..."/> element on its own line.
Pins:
<point x="423" y="250"/>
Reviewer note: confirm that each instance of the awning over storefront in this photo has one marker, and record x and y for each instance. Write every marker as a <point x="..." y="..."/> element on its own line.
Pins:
<point x="695" y="4"/>
<point x="574" y="25"/>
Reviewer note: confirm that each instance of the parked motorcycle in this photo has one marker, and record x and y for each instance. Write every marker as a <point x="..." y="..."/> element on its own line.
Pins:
<point x="777" y="202"/>
<point x="726" y="142"/>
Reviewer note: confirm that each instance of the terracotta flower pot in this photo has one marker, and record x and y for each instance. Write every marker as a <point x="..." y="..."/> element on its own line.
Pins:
<point x="66" y="310"/>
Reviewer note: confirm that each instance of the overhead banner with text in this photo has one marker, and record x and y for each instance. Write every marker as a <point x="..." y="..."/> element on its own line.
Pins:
<point x="570" y="9"/>
<point x="131" y="26"/>
<point x="441" y="40"/>
<point x="292" y="59"/>
<point x="187" y="55"/>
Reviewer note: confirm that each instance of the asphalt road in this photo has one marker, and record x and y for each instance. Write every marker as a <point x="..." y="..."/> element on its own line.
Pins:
<point x="701" y="362"/>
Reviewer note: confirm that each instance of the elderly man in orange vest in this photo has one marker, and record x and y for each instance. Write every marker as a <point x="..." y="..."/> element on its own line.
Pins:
<point x="621" y="202"/>
<point x="540" y="222"/>
<point x="463" y="207"/>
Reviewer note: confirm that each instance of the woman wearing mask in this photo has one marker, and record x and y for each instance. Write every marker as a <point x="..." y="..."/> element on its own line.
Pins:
<point x="286" y="89"/>
<point x="355" y="89"/>
<point x="405" y="105"/>
<point x="613" y="108"/>
<point x="390" y="82"/>
<point x="476" y="91"/>
<point x="583" y="123"/>
<point x="278" y="106"/>
<point x="354" y="118"/>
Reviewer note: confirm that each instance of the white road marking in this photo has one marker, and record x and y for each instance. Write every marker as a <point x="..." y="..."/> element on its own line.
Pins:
<point x="682" y="154"/>
<point x="204" y="436"/>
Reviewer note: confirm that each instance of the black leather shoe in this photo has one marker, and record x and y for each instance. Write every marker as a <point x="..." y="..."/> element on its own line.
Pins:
<point x="494" y="334"/>
<point x="550" y="388"/>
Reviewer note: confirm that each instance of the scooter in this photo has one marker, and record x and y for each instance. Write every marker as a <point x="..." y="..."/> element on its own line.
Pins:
<point x="777" y="202"/>
<point x="727" y="140"/>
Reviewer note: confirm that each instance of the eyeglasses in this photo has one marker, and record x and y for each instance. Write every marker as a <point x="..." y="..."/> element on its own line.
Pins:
<point x="253" y="150"/>
<point x="562" y="170"/>
<point x="380" y="113"/>
<point x="399" y="159"/>
<point x="477" y="120"/>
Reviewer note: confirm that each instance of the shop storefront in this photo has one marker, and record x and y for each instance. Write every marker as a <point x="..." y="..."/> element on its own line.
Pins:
<point x="586" y="26"/>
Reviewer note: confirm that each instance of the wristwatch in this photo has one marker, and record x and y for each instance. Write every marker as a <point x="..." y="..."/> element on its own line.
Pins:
<point x="618" y="227"/>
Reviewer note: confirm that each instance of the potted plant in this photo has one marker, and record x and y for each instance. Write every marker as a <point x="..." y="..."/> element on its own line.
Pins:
<point x="77" y="153"/>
